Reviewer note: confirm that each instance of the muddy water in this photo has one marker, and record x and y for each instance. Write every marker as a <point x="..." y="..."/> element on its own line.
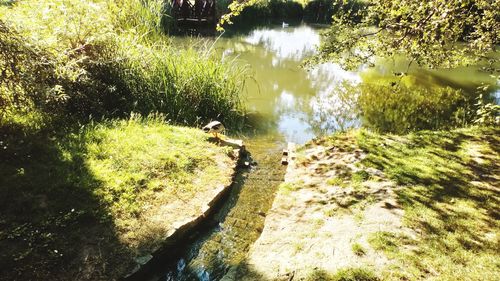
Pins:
<point x="290" y="104"/>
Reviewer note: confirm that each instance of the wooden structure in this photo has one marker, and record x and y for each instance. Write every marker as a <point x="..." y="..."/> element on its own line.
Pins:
<point x="194" y="13"/>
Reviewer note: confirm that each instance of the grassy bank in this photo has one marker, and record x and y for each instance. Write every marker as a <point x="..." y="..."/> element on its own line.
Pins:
<point x="449" y="191"/>
<point x="86" y="189"/>
<point x="368" y="206"/>
<point x="447" y="185"/>
<point x="84" y="205"/>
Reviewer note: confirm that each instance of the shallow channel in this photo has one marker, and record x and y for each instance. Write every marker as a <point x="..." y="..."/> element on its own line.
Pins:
<point x="293" y="105"/>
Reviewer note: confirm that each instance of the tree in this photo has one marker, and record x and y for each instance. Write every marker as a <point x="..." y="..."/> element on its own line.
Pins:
<point x="433" y="33"/>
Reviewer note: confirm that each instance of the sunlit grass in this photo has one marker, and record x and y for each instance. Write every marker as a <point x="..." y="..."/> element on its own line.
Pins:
<point x="345" y="274"/>
<point x="358" y="249"/>
<point x="450" y="196"/>
<point x="105" y="180"/>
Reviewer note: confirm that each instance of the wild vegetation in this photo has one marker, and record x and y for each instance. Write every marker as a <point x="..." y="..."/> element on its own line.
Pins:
<point x="107" y="58"/>
<point x="436" y="33"/>
<point x="242" y="13"/>
<point x="79" y="165"/>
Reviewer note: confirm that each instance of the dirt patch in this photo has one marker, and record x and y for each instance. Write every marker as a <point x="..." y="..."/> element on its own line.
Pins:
<point x="323" y="216"/>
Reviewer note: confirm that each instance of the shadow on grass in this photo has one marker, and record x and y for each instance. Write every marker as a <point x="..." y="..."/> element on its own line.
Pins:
<point x="448" y="184"/>
<point x="246" y="271"/>
<point x="52" y="227"/>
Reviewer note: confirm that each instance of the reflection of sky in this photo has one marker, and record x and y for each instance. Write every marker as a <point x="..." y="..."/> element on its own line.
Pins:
<point x="286" y="100"/>
<point x="496" y="94"/>
<point x="304" y="104"/>
<point x="286" y="43"/>
<point x="332" y="106"/>
<point x="293" y="127"/>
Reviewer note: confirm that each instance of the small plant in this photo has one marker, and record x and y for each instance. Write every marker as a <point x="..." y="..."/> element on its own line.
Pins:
<point x="360" y="176"/>
<point x="487" y="113"/>
<point x="358" y="249"/>
<point x="288" y="187"/>
<point x="330" y="212"/>
<point x="355" y="274"/>
<point x="336" y="181"/>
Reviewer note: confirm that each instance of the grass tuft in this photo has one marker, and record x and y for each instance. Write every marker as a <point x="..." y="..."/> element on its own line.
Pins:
<point x="347" y="274"/>
<point x="358" y="249"/>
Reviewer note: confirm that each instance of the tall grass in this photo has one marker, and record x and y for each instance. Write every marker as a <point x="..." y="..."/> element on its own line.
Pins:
<point x="109" y="58"/>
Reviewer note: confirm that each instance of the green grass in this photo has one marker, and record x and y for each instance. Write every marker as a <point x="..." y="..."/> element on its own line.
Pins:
<point x="336" y="181"/>
<point x="98" y="187"/>
<point x="360" y="176"/>
<point x="345" y="274"/>
<point x="287" y="187"/>
<point x="449" y="191"/>
<point x="75" y="169"/>
<point x="358" y="249"/>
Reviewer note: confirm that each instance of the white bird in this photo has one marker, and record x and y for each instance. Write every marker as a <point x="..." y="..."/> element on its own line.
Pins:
<point x="214" y="127"/>
<point x="284" y="24"/>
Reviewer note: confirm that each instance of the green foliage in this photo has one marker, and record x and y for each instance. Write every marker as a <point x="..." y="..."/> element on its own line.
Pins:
<point x="487" y="113"/>
<point x="108" y="58"/>
<point x="27" y="77"/>
<point x="285" y="10"/>
<point x="401" y="109"/>
<point x="437" y="33"/>
<point x="322" y="11"/>
<point x="260" y="12"/>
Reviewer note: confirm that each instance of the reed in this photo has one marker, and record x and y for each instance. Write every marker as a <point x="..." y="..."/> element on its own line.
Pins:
<point x="110" y="58"/>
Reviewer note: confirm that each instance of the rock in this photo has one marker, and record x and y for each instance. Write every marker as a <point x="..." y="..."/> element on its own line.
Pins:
<point x="284" y="161"/>
<point x="143" y="259"/>
<point x="234" y="143"/>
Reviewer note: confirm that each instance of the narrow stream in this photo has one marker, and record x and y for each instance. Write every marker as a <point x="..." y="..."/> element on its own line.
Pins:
<point x="240" y="220"/>
<point x="292" y="105"/>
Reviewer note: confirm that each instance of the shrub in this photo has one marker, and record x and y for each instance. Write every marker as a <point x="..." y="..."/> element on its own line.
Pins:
<point x="321" y="11"/>
<point x="107" y="59"/>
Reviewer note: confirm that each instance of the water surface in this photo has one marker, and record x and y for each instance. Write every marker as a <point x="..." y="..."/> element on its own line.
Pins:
<point x="299" y="104"/>
<point x="290" y="104"/>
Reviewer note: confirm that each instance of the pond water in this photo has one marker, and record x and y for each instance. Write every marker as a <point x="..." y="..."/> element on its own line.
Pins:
<point x="289" y="104"/>
<point x="298" y="104"/>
